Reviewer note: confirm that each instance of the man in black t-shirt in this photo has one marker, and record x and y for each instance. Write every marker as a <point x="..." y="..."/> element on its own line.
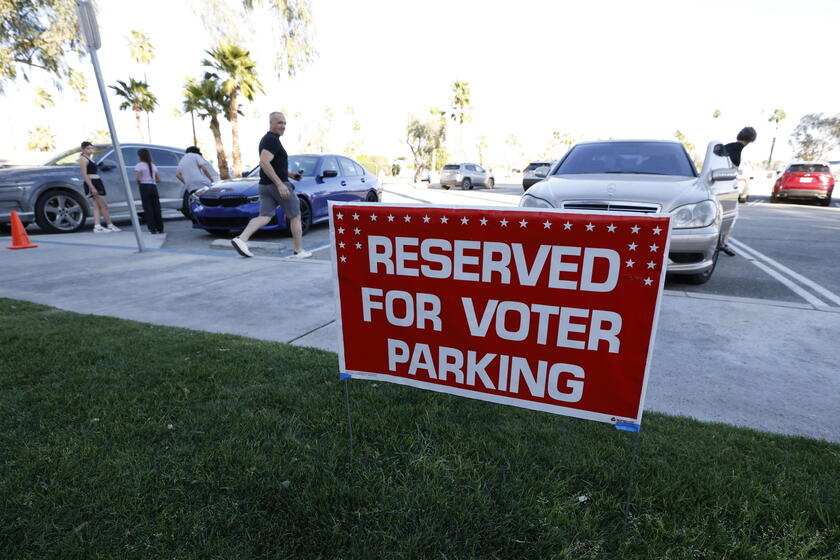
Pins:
<point x="275" y="190"/>
<point x="746" y="136"/>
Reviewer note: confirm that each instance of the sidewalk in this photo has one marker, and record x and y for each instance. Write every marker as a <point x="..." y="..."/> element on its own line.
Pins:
<point x="715" y="359"/>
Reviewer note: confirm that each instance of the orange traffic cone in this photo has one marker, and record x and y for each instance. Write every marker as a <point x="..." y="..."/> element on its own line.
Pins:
<point x="19" y="238"/>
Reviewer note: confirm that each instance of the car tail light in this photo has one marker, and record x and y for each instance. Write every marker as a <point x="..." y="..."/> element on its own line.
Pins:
<point x="825" y="178"/>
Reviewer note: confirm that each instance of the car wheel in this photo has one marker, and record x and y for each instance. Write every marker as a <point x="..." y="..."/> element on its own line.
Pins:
<point x="185" y="206"/>
<point x="445" y="187"/>
<point x="60" y="211"/>
<point x="703" y="277"/>
<point x="305" y="215"/>
<point x="774" y="199"/>
<point x="466" y="185"/>
<point x="491" y="183"/>
<point x="6" y="228"/>
<point x="371" y="197"/>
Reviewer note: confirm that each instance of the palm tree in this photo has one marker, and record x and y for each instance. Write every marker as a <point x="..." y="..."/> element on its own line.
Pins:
<point x="239" y="75"/>
<point x="207" y="100"/>
<point x="461" y="103"/>
<point x="137" y="97"/>
<point x="777" y="116"/>
<point x="142" y="52"/>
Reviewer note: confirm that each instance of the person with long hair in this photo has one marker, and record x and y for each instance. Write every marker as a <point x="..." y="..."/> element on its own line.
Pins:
<point x="146" y="173"/>
<point x="95" y="190"/>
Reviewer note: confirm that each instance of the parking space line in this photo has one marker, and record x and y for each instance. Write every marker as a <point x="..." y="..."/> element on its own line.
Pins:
<point x="759" y="259"/>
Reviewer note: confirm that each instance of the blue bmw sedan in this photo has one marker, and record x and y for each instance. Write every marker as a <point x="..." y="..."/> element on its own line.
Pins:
<point x="229" y="205"/>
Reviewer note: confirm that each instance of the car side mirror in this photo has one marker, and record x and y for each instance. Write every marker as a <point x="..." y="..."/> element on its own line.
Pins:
<point x="541" y="171"/>
<point x="107" y="165"/>
<point x="729" y="174"/>
<point x="329" y="173"/>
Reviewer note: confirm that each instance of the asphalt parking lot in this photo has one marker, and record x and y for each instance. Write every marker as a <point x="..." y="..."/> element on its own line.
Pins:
<point x="752" y="347"/>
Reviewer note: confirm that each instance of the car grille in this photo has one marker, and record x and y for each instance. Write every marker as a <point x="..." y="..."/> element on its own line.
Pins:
<point x="686" y="258"/>
<point x="610" y="206"/>
<point x="229" y="201"/>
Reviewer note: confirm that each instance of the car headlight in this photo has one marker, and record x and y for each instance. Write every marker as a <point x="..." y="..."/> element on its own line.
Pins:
<point x="253" y="199"/>
<point x="700" y="214"/>
<point x="531" y="201"/>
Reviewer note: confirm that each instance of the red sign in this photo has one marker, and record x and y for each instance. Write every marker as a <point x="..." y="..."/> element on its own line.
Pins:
<point x="546" y="310"/>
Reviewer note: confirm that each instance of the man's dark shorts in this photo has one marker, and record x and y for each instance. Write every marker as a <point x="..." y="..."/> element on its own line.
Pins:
<point x="270" y="200"/>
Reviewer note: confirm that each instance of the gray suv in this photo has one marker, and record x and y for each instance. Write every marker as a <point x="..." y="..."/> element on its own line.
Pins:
<point x="53" y="195"/>
<point x="466" y="176"/>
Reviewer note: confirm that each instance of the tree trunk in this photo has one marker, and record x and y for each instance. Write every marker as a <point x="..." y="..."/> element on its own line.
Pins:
<point x="220" y="148"/>
<point x="139" y="125"/>
<point x="234" y="132"/>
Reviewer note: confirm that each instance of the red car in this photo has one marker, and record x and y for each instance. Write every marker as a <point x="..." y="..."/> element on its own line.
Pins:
<point x="805" y="180"/>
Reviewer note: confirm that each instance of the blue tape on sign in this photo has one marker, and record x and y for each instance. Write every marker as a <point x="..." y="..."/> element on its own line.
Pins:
<point x="345" y="376"/>
<point x="627" y="426"/>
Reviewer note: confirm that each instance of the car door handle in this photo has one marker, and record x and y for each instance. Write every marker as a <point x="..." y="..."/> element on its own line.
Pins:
<point x="363" y="179"/>
<point x="344" y="183"/>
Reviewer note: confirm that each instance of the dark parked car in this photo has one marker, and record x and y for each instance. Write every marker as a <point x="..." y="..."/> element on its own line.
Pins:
<point x="53" y="195"/>
<point x="230" y="205"/>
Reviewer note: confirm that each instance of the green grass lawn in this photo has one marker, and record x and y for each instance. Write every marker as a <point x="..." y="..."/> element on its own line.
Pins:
<point x="121" y="439"/>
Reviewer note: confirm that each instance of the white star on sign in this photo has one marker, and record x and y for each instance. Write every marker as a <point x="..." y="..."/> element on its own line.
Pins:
<point x="343" y="258"/>
<point x="523" y="223"/>
<point x="426" y="219"/>
<point x="654" y="247"/>
<point x="656" y="230"/>
<point x="589" y="226"/>
<point x="483" y="221"/>
<point x="340" y="216"/>
<point x="390" y="217"/>
<point x="635" y="229"/>
<point x="648" y="282"/>
<point x="373" y="217"/>
<point x="407" y="218"/>
<point x="341" y="245"/>
<point x="611" y="228"/>
<point x="358" y="245"/>
<point x="547" y="224"/>
<point x="567" y="225"/>
<point x="444" y="219"/>
<point x="630" y="263"/>
<point x="651" y="264"/>
<point x="632" y="246"/>
<point x="465" y="220"/>
<point x="340" y="230"/>
<point x="357" y="231"/>
<point x="355" y="216"/>
<point x="504" y="223"/>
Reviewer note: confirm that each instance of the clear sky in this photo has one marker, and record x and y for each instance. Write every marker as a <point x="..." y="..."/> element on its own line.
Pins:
<point x="594" y="69"/>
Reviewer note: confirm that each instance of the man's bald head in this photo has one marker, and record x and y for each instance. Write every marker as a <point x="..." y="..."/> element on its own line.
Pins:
<point x="277" y="123"/>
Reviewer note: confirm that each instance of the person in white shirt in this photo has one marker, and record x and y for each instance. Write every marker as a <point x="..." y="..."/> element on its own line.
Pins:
<point x="194" y="172"/>
<point x="148" y="177"/>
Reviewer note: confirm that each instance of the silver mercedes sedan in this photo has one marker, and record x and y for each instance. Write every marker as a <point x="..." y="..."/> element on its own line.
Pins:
<point x="646" y="176"/>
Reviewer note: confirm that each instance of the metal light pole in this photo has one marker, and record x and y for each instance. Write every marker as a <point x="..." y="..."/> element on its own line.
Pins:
<point x="90" y="31"/>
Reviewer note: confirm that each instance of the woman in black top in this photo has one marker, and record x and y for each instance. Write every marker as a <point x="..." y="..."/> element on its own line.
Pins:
<point x="95" y="190"/>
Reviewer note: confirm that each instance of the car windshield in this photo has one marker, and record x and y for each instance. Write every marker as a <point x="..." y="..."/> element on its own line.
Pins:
<point x="71" y="157"/>
<point x="808" y="168"/>
<point x="451" y="166"/>
<point x="642" y="158"/>
<point x="305" y="165"/>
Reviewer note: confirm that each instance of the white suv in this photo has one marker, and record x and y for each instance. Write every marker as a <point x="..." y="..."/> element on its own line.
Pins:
<point x="465" y="175"/>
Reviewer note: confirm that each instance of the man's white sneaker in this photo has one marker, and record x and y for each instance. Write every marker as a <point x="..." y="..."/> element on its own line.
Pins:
<point x="241" y="247"/>
<point x="304" y="254"/>
<point x="112" y="227"/>
<point x="99" y="229"/>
